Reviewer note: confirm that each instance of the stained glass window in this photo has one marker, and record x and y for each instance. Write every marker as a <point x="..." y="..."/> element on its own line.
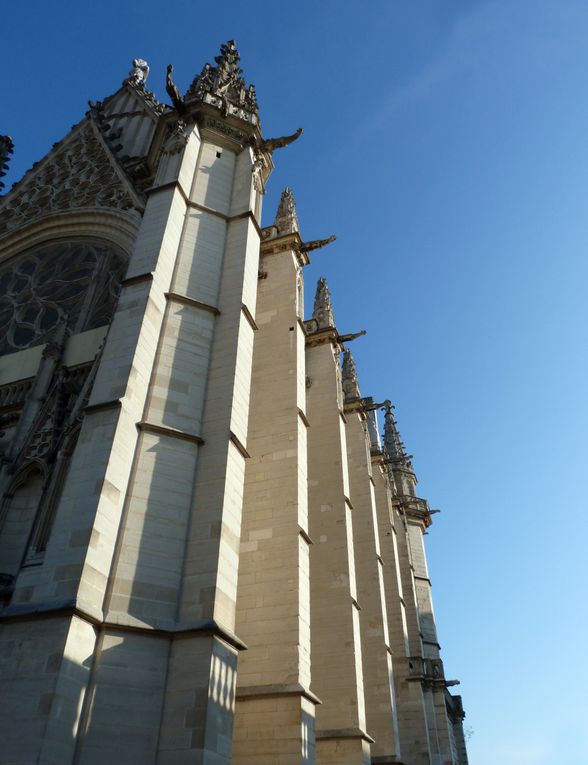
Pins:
<point x="75" y="281"/>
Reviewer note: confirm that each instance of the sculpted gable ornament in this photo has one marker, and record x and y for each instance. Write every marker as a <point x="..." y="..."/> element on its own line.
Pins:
<point x="137" y="79"/>
<point x="78" y="173"/>
<point x="139" y="73"/>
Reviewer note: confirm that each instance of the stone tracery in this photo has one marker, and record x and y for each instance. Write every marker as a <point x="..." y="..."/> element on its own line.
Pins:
<point x="77" y="174"/>
<point x="73" y="281"/>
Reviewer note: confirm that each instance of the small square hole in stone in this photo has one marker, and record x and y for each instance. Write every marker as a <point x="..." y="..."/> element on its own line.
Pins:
<point x="218" y="154"/>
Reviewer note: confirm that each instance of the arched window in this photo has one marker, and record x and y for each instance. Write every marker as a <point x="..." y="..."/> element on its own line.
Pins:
<point x="77" y="281"/>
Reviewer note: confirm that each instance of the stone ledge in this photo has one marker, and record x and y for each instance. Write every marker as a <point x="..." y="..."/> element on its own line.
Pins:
<point x="163" y="430"/>
<point x="343" y="733"/>
<point x="277" y="689"/>
<point x="121" y="622"/>
<point x="185" y="300"/>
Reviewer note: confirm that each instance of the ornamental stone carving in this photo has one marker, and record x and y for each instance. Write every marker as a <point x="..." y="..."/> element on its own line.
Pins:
<point x="286" y="221"/>
<point x="224" y="87"/>
<point x="139" y="72"/>
<point x="349" y="377"/>
<point x="78" y="173"/>
<point x="322" y="311"/>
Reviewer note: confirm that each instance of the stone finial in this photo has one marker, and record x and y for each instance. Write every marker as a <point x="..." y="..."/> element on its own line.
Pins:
<point x="139" y="72"/>
<point x="286" y="221"/>
<point x="349" y="377"/>
<point x="392" y="441"/>
<point x="322" y="311"/>
<point x="6" y="149"/>
<point x="223" y="86"/>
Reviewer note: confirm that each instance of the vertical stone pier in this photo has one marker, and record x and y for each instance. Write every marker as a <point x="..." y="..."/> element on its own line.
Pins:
<point x="422" y="687"/>
<point x="274" y="719"/>
<point x="135" y="659"/>
<point x="337" y="675"/>
<point x="380" y="703"/>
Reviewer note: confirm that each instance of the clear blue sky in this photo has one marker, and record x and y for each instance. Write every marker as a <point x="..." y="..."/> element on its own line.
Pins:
<point x="446" y="143"/>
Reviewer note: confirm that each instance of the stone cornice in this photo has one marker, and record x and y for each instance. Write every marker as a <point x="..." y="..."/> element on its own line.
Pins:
<point x="322" y="337"/>
<point x="280" y="244"/>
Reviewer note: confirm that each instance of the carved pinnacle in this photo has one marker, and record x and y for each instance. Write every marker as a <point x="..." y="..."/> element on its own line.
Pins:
<point x="271" y="144"/>
<point x="392" y="441"/>
<point x="349" y="381"/>
<point x="316" y="244"/>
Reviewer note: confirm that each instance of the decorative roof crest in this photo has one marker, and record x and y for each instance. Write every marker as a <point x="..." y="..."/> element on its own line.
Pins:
<point x="286" y="221"/>
<point x="322" y="311"/>
<point x="6" y="149"/>
<point x="349" y="377"/>
<point x="223" y="86"/>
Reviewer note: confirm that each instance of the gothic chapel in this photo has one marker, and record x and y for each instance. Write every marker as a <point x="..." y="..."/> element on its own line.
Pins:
<point x="207" y="553"/>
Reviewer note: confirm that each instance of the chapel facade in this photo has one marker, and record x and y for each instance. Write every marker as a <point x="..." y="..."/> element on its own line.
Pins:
<point x="208" y="554"/>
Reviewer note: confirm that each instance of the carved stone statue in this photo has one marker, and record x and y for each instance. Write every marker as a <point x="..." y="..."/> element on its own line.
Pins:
<point x="173" y="92"/>
<point x="139" y="73"/>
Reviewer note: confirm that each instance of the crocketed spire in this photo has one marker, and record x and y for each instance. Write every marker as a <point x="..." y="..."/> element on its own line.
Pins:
<point x="286" y="221"/>
<point x="322" y="311"/>
<point x="392" y="441"/>
<point x="349" y="377"/>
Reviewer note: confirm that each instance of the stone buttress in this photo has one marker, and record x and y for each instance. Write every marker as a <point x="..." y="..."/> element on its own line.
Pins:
<point x="123" y="630"/>
<point x="425" y="717"/>
<point x="337" y="671"/>
<point x="206" y="554"/>
<point x="380" y="701"/>
<point x="275" y="711"/>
